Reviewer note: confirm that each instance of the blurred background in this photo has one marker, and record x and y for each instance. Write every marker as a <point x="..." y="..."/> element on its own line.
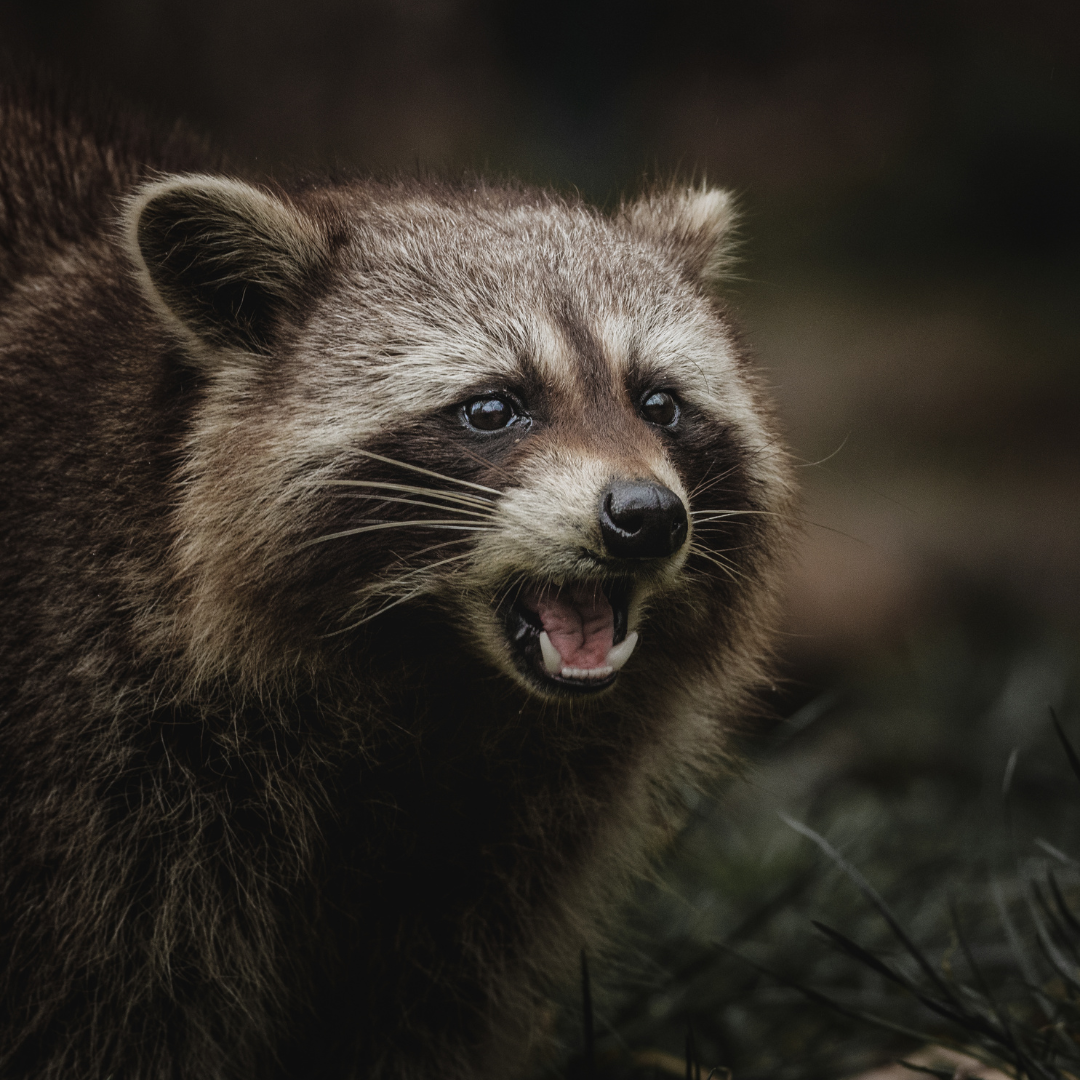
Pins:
<point x="909" y="177"/>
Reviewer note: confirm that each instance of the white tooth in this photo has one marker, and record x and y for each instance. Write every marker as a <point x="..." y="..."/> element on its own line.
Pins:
<point x="552" y="660"/>
<point x="619" y="654"/>
<point x="585" y="673"/>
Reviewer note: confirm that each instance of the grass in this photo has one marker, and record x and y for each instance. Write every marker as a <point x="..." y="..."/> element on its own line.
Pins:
<point x="899" y="870"/>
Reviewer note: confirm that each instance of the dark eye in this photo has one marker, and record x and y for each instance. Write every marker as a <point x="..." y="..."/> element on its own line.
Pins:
<point x="489" y="413"/>
<point x="660" y="408"/>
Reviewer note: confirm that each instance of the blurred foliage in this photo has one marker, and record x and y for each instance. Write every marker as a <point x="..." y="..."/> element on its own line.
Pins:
<point x="907" y="175"/>
<point x="910" y="235"/>
<point x="883" y="133"/>
<point x="936" y="774"/>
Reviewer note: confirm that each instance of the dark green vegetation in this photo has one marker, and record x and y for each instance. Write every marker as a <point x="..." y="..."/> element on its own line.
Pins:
<point x="940" y="903"/>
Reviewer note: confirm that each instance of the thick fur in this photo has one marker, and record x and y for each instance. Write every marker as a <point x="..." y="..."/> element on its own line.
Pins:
<point x="277" y="800"/>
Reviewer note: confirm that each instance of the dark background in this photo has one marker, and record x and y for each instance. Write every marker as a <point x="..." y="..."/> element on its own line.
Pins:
<point x="909" y="176"/>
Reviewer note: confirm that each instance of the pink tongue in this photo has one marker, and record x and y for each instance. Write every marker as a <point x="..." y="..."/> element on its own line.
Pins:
<point x="579" y="622"/>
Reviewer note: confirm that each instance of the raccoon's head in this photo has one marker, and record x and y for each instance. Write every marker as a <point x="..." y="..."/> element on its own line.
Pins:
<point x="490" y="403"/>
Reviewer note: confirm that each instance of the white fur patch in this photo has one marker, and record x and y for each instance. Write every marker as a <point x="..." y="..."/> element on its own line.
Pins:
<point x="384" y="350"/>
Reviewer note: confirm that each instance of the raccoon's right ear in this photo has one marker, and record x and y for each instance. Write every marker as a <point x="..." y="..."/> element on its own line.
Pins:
<point x="692" y="224"/>
<point x="223" y="260"/>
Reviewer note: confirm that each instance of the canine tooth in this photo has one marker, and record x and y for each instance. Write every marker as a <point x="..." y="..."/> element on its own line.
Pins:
<point x="619" y="654"/>
<point x="553" y="664"/>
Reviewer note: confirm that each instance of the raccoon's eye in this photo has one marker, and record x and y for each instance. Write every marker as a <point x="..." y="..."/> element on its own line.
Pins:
<point x="489" y="413"/>
<point x="660" y="408"/>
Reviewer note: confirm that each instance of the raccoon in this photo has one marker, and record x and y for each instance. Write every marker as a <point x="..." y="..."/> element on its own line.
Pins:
<point x="381" y="559"/>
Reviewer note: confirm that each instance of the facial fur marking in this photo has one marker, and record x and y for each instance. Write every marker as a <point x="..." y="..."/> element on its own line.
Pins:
<point x="592" y="369"/>
<point x="285" y="641"/>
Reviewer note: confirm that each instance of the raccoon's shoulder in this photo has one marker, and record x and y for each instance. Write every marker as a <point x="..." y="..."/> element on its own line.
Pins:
<point x="66" y="158"/>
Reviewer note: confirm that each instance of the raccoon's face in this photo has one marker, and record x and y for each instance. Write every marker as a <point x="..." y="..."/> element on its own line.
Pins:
<point x="518" y="411"/>
<point x="592" y="522"/>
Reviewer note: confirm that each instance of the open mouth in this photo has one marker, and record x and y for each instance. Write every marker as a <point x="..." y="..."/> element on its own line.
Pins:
<point x="573" y="636"/>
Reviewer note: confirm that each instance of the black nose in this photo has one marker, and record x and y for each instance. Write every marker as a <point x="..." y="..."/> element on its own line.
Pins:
<point x="641" y="520"/>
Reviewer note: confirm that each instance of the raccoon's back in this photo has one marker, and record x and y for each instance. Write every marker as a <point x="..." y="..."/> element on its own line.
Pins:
<point x="84" y="395"/>
<point x="65" y="162"/>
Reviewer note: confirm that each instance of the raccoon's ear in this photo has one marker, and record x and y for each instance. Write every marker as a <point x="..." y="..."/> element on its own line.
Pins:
<point x="222" y="259"/>
<point x="693" y="224"/>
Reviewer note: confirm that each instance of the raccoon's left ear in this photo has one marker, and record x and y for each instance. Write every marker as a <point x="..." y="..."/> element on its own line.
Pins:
<point x="223" y="260"/>
<point x="693" y="224"/>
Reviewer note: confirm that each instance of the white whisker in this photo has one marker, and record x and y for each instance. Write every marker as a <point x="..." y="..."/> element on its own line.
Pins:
<point x="719" y="561"/>
<point x="410" y="489"/>
<point x="703" y="486"/>
<point x="485" y="515"/>
<point x="387" y="586"/>
<point x="376" y="614"/>
<point x="733" y="513"/>
<point x="428" y="472"/>
<point x="424" y="524"/>
<point x="435" y="547"/>
<point x="411" y="594"/>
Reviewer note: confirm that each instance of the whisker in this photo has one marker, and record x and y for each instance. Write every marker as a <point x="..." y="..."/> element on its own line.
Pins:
<point x="410" y="489"/>
<point x="725" y="570"/>
<point x="704" y="574"/>
<point x="733" y="513"/>
<point x="793" y="517"/>
<point x="407" y="596"/>
<point x="377" y="613"/>
<point x="838" y="532"/>
<point x="770" y="445"/>
<point x="725" y="520"/>
<point x="413" y="571"/>
<point x="700" y="486"/>
<point x="523" y="581"/>
<point x="435" y="547"/>
<point x="716" y="553"/>
<point x="515" y="585"/>
<point x="425" y="523"/>
<point x="720" y="562"/>
<point x="486" y="515"/>
<point x="711" y="525"/>
<point x="484" y="461"/>
<point x="503" y="592"/>
<point x="712" y="483"/>
<point x="427" y="472"/>
<point x="803" y="464"/>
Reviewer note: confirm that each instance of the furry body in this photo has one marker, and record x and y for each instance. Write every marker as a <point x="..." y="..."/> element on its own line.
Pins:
<point x="280" y="794"/>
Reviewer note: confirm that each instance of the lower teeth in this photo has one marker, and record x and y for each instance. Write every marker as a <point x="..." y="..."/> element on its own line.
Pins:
<point x="586" y="673"/>
<point x="616" y="657"/>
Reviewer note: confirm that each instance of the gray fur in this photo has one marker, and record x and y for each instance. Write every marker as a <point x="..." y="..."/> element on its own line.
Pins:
<point x="278" y="797"/>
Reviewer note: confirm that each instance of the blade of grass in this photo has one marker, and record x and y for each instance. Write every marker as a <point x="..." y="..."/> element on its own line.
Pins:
<point x="1059" y="899"/>
<point x="587" y="1019"/>
<point x="693" y="1067"/>
<point x="941" y="1074"/>
<point x="1055" y="936"/>
<point x="1070" y="753"/>
<point x="1009" y="1038"/>
<point x="878" y="901"/>
<point x="957" y="1015"/>
<point x="853" y="1014"/>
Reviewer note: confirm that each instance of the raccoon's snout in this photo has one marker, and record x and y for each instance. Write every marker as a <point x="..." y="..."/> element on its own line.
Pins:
<point x="574" y="636"/>
<point x="641" y="519"/>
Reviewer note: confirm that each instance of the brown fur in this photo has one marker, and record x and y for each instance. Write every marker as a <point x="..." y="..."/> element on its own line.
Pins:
<point x="277" y="799"/>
